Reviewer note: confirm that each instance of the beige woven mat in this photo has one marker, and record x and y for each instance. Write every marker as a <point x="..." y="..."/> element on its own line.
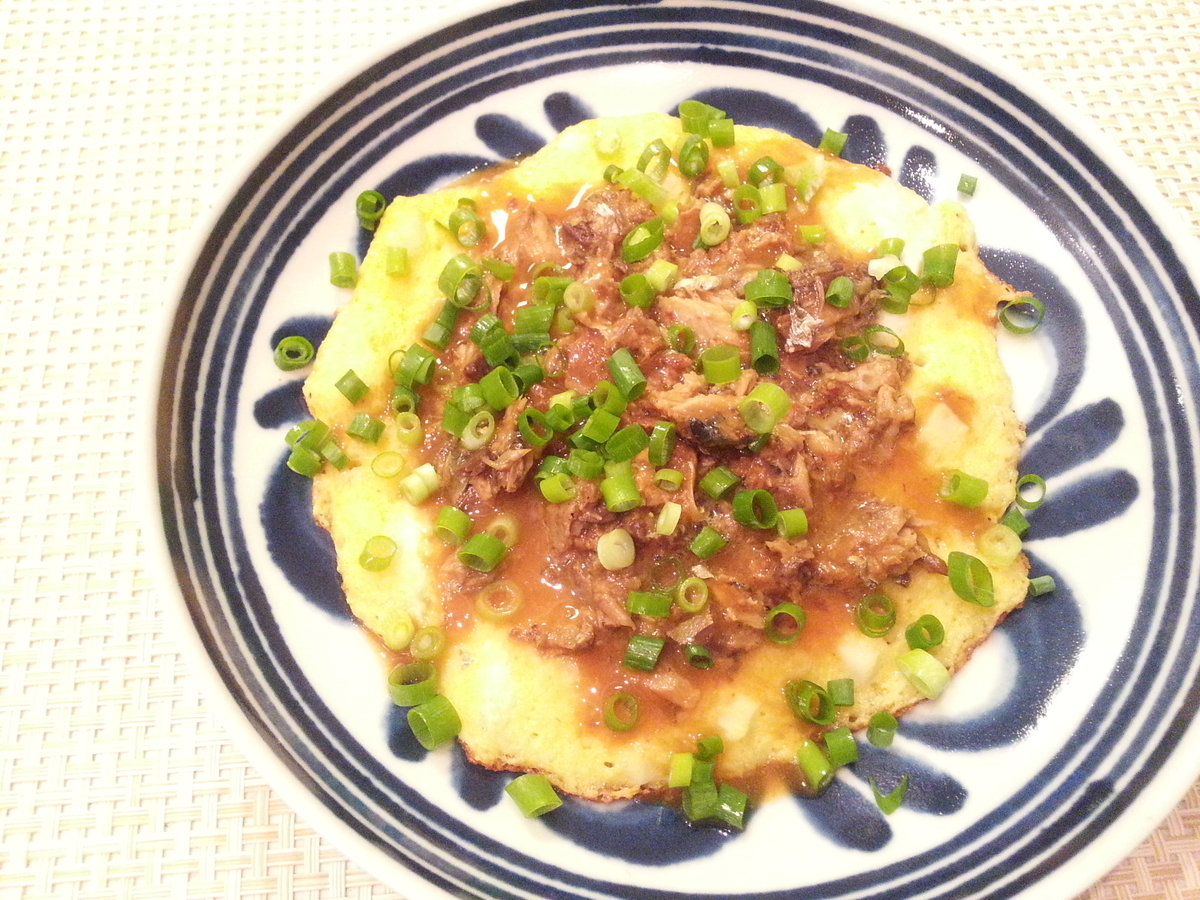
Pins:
<point x="119" y="118"/>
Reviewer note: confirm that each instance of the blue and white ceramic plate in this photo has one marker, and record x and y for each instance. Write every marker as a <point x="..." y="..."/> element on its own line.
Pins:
<point x="1057" y="749"/>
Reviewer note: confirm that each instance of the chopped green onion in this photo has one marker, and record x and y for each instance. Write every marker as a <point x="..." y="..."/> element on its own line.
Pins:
<point x="499" y="601"/>
<point x="707" y="542"/>
<point x="505" y="528"/>
<point x="662" y="443"/>
<point x="855" y="347"/>
<point x="587" y="464"/>
<point x="743" y="315"/>
<point x="534" y="429"/>
<point x="1023" y="498"/>
<point x="1015" y="519"/>
<point x="721" y="364"/>
<point x="812" y="234"/>
<point x="365" y="428"/>
<point x="890" y="802"/>
<point x="498" y="268"/>
<point x="668" y="479"/>
<point x="783" y="623"/>
<point x="938" y="264"/>
<point x="875" y="615"/>
<point x="755" y="509"/>
<point x="883" y="340"/>
<point x="691" y="594"/>
<point x="466" y="225"/>
<point x="395" y="261"/>
<point x="416" y="366"/>
<point x="479" y="430"/>
<point x="351" y="386"/>
<point x="696" y="117"/>
<point x="533" y="794"/>
<point x="482" y="552"/>
<point x="615" y="549"/>
<point x="434" y="722"/>
<point x="693" y="156"/>
<point x="427" y="642"/>
<point x="1042" y="585"/>
<point x="809" y="702"/>
<point x="769" y="288"/>
<point x="643" y="186"/>
<point x="718" y="482"/>
<point x="791" y="523"/>
<point x="841" y="691"/>
<point x="369" y="207"/>
<point x="680" y="773"/>
<point x="924" y="633"/>
<point x="334" y="455"/>
<point x="310" y="434"/>
<point x="387" y="464"/>
<point x="627" y="443"/>
<point x="840" y="746"/>
<point x="714" y="224"/>
<point x="840" y="292"/>
<point x="412" y="684"/>
<point x="441" y="329"/>
<point x="642" y="240"/>
<point x="701" y="800"/>
<point x="452" y="525"/>
<point x="636" y="290"/>
<point x="962" y="489"/>
<point x="532" y="319"/>
<point x="924" y="672"/>
<point x="832" y="142"/>
<point x="721" y="133"/>
<point x="881" y="729"/>
<point x="764" y="170"/>
<point x="499" y="387"/>
<point x="662" y="275"/>
<point x="626" y="375"/>
<point x="1021" y="315"/>
<point x="747" y="203"/>
<point x="772" y="198"/>
<point x="293" y="352"/>
<point x="815" y="766"/>
<point x="668" y="518"/>
<point x="682" y="339"/>
<point x="377" y="553"/>
<point x="764" y="347"/>
<point x="970" y="578"/>
<point x="731" y="806"/>
<point x="642" y="652"/>
<point x="764" y="407"/>
<point x="461" y="281"/>
<point x="620" y="492"/>
<point x="648" y="603"/>
<point x="419" y="485"/>
<point x="967" y="184"/>
<point x="621" y="711"/>
<point x="557" y="488"/>
<point x="655" y="159"/>
<point x="698" y="657"/>
<point x="343" y="270"/>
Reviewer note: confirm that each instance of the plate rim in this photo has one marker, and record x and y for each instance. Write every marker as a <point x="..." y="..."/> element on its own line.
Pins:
<point x="1169" y="783"/>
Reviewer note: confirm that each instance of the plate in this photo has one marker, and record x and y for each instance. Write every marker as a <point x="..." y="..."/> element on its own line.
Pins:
<point x="1059" y="746"/>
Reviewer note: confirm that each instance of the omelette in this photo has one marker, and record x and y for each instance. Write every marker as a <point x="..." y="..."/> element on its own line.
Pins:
<point x="677" y="430"/>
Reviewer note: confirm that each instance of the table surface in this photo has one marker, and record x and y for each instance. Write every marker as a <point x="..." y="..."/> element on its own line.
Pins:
<point x="120" y="119"/>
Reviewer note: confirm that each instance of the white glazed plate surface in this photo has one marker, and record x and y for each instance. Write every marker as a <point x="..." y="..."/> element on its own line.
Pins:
<point x="1058" y="747"/>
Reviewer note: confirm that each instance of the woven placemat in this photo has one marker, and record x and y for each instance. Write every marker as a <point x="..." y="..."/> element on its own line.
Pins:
<point x="119" y="119"/>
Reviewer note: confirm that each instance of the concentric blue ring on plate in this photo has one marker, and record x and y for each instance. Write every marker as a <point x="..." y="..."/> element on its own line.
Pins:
<point x="1035" y="773"/>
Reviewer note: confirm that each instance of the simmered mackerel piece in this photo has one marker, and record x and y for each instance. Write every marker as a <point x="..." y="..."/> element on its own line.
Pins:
<point x="862" y="447"/>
